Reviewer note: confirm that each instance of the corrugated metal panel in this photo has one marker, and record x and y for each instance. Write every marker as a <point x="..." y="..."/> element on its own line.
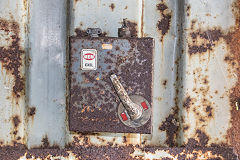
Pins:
<point x="206" y="79"/>
<point x="162" y="27"/>
<point x="46" y="75"/>
<point x="12" y="80"/>
<point x="196" y="78"/>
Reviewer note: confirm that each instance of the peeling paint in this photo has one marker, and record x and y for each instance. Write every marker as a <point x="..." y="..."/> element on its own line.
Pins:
<point x="81" y="148"/>
<point x="11" y="56"/>
<point x="209" y="38"/>
<point x="171" y="126"/>
<point x="163" y="24"/>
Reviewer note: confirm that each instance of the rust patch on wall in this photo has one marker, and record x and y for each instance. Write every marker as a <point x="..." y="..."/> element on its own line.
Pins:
<point x="45" y="142"/>
<point x="202" y="138"/>
<point x="233" y="42"/>
<point x="209" y="111"/>
<point x="163" y="24"/>
<point x="187" y="102"/>
<point x="11" y="57"/>
<point x="133" y="28"/>
<point x="112" y="6"/>
<point x="80" y="33"/>
<point x="32" y="111"/>
<point x="171" y="126"/>
<point x="83" y="149"/>
<point x="16" y="121"/>
<point x="209" y="39"/>
<point x="108" y="151"/>
<point x="193" y="153"/>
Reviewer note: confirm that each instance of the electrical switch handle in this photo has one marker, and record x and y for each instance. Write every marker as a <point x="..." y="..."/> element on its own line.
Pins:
<point x="133" y="110"/>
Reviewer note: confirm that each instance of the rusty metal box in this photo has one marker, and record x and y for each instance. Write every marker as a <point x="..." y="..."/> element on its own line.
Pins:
<point x="93" y="101"/>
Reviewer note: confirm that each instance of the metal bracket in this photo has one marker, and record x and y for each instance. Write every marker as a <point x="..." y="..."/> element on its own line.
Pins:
<point x="124" y="31"/>
<point x="94" y="32"/>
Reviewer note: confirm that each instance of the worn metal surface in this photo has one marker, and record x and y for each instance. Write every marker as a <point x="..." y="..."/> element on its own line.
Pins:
<point x="209" y="76"/>
<point x="93" y="100"/>
<point x="12" y="71"/>
<point x="196" y="78"/>
<point x="81" y="148"/>
<point x="46" y="89"/>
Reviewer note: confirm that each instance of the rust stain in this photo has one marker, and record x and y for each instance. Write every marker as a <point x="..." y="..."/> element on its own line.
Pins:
<point x="188" y="10"/>
<point x="108" y="151"/>
<point x="25" y="4"/>
<point x="209" y="111"/>
<point x="233" y="42"/>
<point x="32" y="111"/>
<point x="15" y="132"/>
<point x="142" y="19"/>
<point x="75" y="1"/>
<point x="11" y="57"/>
<point x="16" y="121"/>
<point x="163" y="24"/>
<point x="187" y="102"/>
<point x="185" y="128"/>
<point x="193" y="24"/>
<point x="171" y="126"/>
<point x="112" y="6"/>
<point x="232" y="38"/>
<point x="45" y="142"/>
<point x="191" y="153"/>
<point x="165" y="83"/>
<point x="80" y="33"/>
<point x="210" y="38"/>
<point x="133" y="28"/>
<point x="83" y="149"/>
<point x="202" y="138"/>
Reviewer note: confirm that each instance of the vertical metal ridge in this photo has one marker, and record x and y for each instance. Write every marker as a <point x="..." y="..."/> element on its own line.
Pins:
<point x="179" y="65"/>
<point x="142" y="20"/>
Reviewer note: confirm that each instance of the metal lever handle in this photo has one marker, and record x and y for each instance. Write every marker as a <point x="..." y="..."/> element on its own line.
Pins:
<point x="134" y="111"/>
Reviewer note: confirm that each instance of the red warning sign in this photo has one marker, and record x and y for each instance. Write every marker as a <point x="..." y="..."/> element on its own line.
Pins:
<point x="89" y="59"/>
<point x="89" y="56"/>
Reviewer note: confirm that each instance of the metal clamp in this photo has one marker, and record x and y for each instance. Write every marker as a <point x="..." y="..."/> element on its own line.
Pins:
<point x="94" y="32"/>
<point x="134" y="111"/>
<point x="124" y="31"/>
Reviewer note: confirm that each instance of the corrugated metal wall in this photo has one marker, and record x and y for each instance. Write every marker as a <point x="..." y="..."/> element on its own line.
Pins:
<point x="196" y="78"/>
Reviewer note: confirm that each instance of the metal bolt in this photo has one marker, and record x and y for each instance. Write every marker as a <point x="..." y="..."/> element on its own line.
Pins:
<point x="134" y="111"/>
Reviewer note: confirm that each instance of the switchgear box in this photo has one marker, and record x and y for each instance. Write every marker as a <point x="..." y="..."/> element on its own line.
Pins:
<point x="94" y="102"/>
